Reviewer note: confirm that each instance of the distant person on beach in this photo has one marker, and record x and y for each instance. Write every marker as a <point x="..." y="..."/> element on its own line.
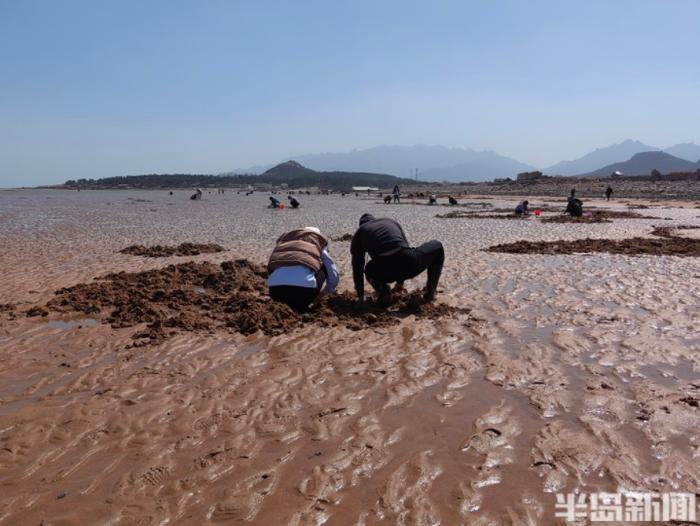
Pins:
<point x="274" y="202"/>
<point x="522" y="209"/>
<point x="397" y="194"/>
<point x="392" y="259"/>
<point x="387" y="199"/>
<point x="293" y="201"/>
<point x="608" y="192"/>
<point x="299" y="266"/>
<point x="452" y="200"/>
<point x="574" y="206"/>
<point x="197" y="194"/>
<point x="432" y="199"/>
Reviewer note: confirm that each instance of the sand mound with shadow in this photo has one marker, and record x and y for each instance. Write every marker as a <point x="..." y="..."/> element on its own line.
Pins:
<point x="162" y="251"/>
<point x="233" y="296"/>
<point x="668" y="245"/>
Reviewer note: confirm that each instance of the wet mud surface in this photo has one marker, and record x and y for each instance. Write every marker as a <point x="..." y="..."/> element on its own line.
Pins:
<point x="204" y="297"/>
<point x="161" y="251"/>
<point x="566" y="376"/>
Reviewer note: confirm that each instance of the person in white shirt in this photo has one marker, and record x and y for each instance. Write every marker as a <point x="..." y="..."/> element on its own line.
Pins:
<point x="298" y="268"/>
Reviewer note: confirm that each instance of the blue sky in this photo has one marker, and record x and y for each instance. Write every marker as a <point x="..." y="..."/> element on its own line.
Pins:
<point x="102" y="88"/>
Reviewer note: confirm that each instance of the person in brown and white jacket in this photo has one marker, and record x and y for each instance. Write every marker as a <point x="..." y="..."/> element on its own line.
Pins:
<point x="299" y="266"/>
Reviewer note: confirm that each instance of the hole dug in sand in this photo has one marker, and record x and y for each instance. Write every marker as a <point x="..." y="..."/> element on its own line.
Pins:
<point x="233" y="296"/>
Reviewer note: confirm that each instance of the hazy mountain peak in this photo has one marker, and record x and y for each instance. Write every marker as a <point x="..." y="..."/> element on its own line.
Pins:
<point x="686" y="150"/>
<point x="600" y="157"/>
<point x="643" y="163"/>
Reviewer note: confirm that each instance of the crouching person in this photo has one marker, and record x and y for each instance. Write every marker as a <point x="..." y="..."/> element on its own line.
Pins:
<point x="298" y="268"/>
<point x="393" y="260"/>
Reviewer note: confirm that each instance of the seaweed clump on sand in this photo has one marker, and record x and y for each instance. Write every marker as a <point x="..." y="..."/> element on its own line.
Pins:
<point x="344" y="237"/>
<point x="204" y="297"/>
<point x="162" y="251"/>
<point x="597" y="216"/>
<point x="666" y="244"/>
<point x="8" y="309"/>
<point x="475" y="214"/>
<point x="669" y="231"/>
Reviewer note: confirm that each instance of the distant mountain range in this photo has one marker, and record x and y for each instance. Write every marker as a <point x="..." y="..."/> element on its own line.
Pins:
<point x="434" y="163"/>
<point x="644" y="162"/>
<point x="439" y="163"/>
<point x="601" y="159"/>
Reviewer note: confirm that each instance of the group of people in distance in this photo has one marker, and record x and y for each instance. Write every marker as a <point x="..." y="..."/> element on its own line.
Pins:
<point x="275" y="203"/>
<point x="301" y="270"/>
<point x="574" y="206"/>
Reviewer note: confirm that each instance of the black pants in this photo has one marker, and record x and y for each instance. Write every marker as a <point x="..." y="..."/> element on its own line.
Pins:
<point x="298" y="298"/>
<point x="406" y="264"/>
<point x="574" y="208"/>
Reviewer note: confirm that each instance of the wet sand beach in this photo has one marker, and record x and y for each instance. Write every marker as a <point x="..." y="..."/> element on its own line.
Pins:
<point x="568" y="370"/>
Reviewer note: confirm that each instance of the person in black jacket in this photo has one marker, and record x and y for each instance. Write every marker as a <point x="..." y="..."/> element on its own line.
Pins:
<point x="392" y="258"/>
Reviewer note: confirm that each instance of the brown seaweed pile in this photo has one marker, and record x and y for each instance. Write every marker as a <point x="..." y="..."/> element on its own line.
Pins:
<point x="597" y="216"/>
<point x="344" y="237"/>
<point x="475" y="214"/>
<point x="668" y="231"/>
<point x="233" y="296"/>
<point x="162" y="251"/>
<point x="667" y="245"/>
<point x="8" y="310"/>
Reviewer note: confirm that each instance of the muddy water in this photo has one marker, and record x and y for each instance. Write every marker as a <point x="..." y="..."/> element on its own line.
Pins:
<point x="582" y="375"/>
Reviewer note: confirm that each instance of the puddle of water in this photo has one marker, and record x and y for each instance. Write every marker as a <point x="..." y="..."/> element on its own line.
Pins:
<point x="249" y="350"/>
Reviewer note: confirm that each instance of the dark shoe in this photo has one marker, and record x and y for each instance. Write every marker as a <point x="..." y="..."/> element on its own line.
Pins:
<point x="385" y="299"/>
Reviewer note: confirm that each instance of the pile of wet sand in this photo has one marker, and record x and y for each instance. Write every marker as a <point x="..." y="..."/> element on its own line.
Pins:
<point x="204" y="297"/>
<point x="668" y="245"/>
<point x="162" y="251"/>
